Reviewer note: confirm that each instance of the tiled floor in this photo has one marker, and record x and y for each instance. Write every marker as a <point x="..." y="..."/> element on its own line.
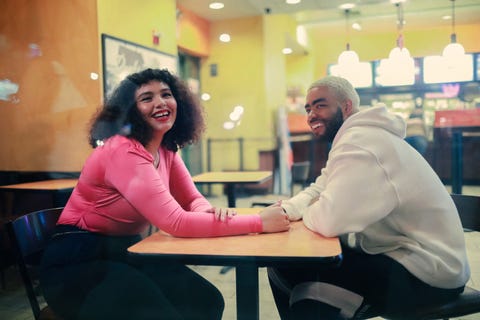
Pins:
<point x="14" y="304"/>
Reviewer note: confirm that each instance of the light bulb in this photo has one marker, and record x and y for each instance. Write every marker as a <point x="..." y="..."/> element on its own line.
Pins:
<point x="348" y="57"/>
<point x="453" y="50"/>
<point x="398" y="54"/>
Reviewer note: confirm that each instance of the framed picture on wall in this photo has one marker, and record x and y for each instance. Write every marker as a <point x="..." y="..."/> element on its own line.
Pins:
<point x="121" y="58"/>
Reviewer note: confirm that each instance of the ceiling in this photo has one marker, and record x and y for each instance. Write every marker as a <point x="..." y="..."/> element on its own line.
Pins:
<point x="325" y="14"/>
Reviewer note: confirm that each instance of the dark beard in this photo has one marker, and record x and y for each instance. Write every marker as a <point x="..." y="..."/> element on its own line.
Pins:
<point x="332" y="126"/>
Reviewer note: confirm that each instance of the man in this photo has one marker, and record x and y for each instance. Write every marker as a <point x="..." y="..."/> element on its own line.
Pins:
<point x="402" y="240"/>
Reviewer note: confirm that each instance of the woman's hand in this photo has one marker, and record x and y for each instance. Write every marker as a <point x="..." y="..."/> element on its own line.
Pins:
<point x="222" y="214"/>
<point x="274" y="219"/>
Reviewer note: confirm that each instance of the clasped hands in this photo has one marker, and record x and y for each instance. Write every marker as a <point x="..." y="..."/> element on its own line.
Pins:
<point x="273" y="217"/>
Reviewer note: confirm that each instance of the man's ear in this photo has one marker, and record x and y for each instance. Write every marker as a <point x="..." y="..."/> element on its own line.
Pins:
<point x="347" y="108"/>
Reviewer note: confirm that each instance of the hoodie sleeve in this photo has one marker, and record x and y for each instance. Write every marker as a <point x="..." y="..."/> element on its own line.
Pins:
<point x="357" y="192"/>
<point x="296" y="206"/>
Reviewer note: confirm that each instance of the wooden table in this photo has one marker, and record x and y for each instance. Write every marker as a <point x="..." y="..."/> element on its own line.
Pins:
<point x="298" y="246"/>
<point x="231" y="178"/>
<point x="55" y="187"/>
<point x="456" y="139"/>
<point x="45" y="185"/>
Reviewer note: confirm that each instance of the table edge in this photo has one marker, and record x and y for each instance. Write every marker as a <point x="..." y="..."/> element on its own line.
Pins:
<point x="231" y="260"/>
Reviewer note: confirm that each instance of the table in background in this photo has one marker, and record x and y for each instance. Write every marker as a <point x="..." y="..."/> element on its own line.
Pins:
<point x="456" y="137"/>
<point x="60" y="189"/>
<point x="298" y="246"/>
<point x="230" y="179"/>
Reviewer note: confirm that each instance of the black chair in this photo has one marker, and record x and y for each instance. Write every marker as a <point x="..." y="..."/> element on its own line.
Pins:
<point x="28" y="235"/>
<point x="5" y="258"/>
<point x="300" y="173"/>
<point x="469" y="210"/>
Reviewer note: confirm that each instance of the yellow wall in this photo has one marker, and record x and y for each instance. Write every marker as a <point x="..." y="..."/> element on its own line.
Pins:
<point x="275" y="76"/>
<point x="251" y="73"/>
<point x="134" y="21"/>
<point x="240" y="81"/>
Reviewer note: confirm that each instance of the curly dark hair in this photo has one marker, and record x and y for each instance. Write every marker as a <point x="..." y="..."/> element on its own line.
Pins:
<point x="120" y="115"/>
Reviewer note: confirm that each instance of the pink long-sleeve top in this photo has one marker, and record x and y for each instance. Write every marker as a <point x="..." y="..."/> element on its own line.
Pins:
<point x="120" y="192"/>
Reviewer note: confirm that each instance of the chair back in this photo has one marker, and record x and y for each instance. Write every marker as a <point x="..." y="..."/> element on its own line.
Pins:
<point x="300" y="174"/>
<point x="468" y="208"/>
<point x="29" y="235"/>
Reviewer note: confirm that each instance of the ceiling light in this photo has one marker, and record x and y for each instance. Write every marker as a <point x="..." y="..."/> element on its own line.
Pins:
<point x="216" y="5"/>
<point x="400" y="51"/>
<point x="224" y="37"/>
<point x="347" y="56"/>
<point x="287" y="51"/>
<point x="399" y="68"/>
<point x="228" y="125"/>
<point x="349" y="66"/>
<point x="454" y="49"/>
<point x="347" y="6"/>
<point x="292" y="1"/>
<point x="357" y="26"/>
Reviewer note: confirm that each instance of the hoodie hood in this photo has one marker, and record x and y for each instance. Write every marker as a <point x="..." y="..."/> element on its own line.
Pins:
<point x="377" y="116"/>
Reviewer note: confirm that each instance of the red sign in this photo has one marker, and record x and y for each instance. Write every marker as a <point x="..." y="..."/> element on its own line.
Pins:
<point x="457" y="118"/>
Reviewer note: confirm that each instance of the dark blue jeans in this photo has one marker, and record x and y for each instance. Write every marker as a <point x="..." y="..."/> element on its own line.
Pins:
<point x="86" y="275"/>
<point x="385" y="285"/>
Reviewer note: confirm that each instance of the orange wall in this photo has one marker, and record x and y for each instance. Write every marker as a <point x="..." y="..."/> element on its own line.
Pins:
<point x="193" y="33"/>
<point x="43" y="125"/>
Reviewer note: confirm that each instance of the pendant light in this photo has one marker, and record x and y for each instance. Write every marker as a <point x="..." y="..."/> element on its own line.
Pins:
<point x="400" y="53"/>
<point x="454" y="49"/>
<point x="349" y="66"/>
<point x="348" y="57"/>
<point x="399" y="68"/>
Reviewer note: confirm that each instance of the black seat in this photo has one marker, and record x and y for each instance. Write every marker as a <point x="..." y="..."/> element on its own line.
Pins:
<point x="300" y="173"/>
<point x="6" y="257"/>
<point x="29" y="235"/>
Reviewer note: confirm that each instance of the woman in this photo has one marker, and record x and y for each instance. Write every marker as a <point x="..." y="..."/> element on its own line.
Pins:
<point x="135" y="178"/>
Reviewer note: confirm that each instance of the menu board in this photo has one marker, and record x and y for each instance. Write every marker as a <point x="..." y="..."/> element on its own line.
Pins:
<point x="410" y="71"/>
<point x="359" y="74"/>
<point x="477" y="71"/>
<point x="438" y="69"/>
<point x="388" y="73"/>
